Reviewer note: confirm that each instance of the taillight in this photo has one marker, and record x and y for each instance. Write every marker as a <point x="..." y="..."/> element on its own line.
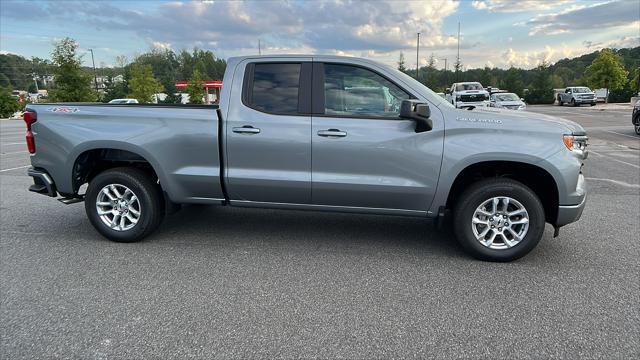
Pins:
<point x="29" y="118"/>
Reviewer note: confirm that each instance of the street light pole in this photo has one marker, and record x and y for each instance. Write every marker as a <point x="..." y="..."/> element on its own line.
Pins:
<point x="95" y="74"/>
<point x="418" y="57"/>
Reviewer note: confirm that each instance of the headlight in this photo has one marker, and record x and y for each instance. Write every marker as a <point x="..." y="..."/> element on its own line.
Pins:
<point x="575" y="143"/>
<point x="522" y="107"/>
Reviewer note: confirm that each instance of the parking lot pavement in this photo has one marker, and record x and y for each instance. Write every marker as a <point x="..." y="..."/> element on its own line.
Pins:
<point x="230" y="282"/>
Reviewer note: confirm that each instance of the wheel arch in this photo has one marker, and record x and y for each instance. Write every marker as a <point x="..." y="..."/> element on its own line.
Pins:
<point x="538" y="179"/>
<point x="91" y="159"/>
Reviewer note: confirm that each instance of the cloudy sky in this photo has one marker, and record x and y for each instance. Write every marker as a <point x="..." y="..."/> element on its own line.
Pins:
<point x="494" y="32"/>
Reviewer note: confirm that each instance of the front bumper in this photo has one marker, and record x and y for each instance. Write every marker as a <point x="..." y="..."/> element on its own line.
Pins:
<point x="42" y="182"/>
<point x="585" y="101"/>
<point x="571" y="213"/>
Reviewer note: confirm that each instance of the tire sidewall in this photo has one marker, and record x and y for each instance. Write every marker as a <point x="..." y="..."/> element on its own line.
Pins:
<point x="480" y="194"/>
<point x="148" y="207"/>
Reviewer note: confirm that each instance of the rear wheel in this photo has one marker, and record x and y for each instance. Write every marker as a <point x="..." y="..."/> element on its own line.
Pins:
<point x="559" y="100"/>
<point x="498" y="220"/>
<point x="124" y="204"/>
<point x="636" y="127"/>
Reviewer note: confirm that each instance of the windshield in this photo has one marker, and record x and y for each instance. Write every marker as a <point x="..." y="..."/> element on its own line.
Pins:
<point x="507" y="97"/>
<point x="469" y="86"/>
<point x="437" y="99"/>
<point x="580" y="90"/>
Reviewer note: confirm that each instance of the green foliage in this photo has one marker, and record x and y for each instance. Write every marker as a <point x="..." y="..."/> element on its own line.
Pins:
<point x="635" y="80"/>
<point x="71" y="83"/>
<point x="401" y="63"/>
<point x="606" y="71"/>
<point x="513" y="82"/>
<point x="143" y="85"/>
<point x="195" y="89"/>
<point x="8" y="103"/>
<point x="541" y="91"/>
<point x="172" y="96"/>
<point x="115" y="90"/>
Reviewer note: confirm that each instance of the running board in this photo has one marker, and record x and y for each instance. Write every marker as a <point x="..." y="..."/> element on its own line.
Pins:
<point x="73" y="200"/>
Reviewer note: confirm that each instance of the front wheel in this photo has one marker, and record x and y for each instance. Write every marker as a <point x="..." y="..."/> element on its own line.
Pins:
<point x="498" y="220"/>
<point x="124" y="204"/>
<point x="636" y="127"/>
<point x="559" y="100"/>
<point x="573" y="102"/>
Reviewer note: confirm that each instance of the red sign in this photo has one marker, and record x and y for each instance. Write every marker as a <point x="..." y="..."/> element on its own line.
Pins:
<point x="207" y="84"/>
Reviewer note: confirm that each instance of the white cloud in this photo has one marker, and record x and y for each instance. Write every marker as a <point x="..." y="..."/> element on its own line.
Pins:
<point x="595" y="16"/>
<point x="517" y="5"/>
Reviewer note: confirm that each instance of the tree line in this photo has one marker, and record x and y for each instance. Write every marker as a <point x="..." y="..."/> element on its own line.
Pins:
<point x="147" y="74"/>
<point x="616" y="70"/>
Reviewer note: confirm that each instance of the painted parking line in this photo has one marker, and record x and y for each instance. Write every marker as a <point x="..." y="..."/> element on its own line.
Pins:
<point x="15" y="168"/>
<point x="614" y="159"/>
<point x="617" y="182"/>
<point x="631" y="136"/>
<point x="17" y="143"/>
<point x="15" y="152"/>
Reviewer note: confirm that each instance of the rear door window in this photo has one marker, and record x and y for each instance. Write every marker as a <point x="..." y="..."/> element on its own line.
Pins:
<point x="274" y="88"/>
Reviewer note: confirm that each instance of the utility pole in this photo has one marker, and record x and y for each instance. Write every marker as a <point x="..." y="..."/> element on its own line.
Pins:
<point x="95" y="74"/>
<point x="418" y="57"/>
<point x="259" y="48"/>
<point x="458" y="56"/>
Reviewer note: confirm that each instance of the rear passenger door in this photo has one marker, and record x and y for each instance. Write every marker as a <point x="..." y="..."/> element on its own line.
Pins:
<point x="268" y="132"/>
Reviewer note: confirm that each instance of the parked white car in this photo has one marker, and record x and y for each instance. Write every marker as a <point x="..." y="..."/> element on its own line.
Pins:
<point x="467" y="94"/>
<point x="123" y="101"/>
<point x="507" y="101"/>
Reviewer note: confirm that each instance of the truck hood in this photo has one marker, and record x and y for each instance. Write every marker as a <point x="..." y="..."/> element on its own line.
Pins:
<point x="526" y="118"/>
<point x="510" y="102"/>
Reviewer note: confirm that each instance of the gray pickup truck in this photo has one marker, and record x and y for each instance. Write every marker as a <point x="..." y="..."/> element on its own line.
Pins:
<point x="312" y="132"/>
<point x="576" y="96"/>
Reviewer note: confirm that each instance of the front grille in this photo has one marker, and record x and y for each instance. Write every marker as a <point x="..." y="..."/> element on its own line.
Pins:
<point x="512" y="107"/>
<point x="473" y="97"/>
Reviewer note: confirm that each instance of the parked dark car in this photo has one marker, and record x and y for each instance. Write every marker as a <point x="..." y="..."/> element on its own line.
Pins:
<point x="635" y="117"/>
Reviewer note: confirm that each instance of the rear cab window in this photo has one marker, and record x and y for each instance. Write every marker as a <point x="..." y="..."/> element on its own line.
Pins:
<point x="275" y="88"/>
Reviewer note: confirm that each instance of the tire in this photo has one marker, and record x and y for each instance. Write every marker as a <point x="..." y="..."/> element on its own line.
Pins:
<point x="636" y="127"/>
<point x="573" y="103"/>
<point x="593" y="104"/>
<point x="560" y="100"/>
<point x="138" y="193"/>
<point x="500" y="250"/>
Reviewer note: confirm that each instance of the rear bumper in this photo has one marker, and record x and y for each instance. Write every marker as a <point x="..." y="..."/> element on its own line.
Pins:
<point x="42" y="182"/>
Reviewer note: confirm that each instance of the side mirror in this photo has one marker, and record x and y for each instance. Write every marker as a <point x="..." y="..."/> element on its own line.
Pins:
<point x="522" y="99"/>
<point x="417" y="111"/>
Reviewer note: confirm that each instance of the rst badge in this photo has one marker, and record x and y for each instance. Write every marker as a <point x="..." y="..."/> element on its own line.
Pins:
<point x="63" y="109"/>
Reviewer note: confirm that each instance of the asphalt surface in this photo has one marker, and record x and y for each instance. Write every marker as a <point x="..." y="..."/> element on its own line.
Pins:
<point x="237" y="283"/>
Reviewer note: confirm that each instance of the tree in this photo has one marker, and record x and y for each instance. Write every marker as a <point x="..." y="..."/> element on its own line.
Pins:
<point x="606" y="71"/>
<point x="513" y="82"/>
<point x="172" y="96"/>
<point x="115" y="90"/>
<point x="430" y="80"/>
<point x="143" y="85"/>
<point x="71" y="83"/>
<point x="195" y="89"/>
<point x="635" y="82"/>
<point x="541" y="91"/>
<point x="401" y="63"/>
<point x="8" y="104"/>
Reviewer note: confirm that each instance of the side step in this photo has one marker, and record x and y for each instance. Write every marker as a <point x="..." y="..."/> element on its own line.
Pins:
<point x="73" y="200"/>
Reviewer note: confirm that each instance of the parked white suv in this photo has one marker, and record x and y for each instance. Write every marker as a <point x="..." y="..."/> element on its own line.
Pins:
<point x="467" y="94"/>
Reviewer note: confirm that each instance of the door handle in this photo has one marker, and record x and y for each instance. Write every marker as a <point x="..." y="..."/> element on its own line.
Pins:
<point x="332" y="133"/>
<point x="247" y="129"/>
